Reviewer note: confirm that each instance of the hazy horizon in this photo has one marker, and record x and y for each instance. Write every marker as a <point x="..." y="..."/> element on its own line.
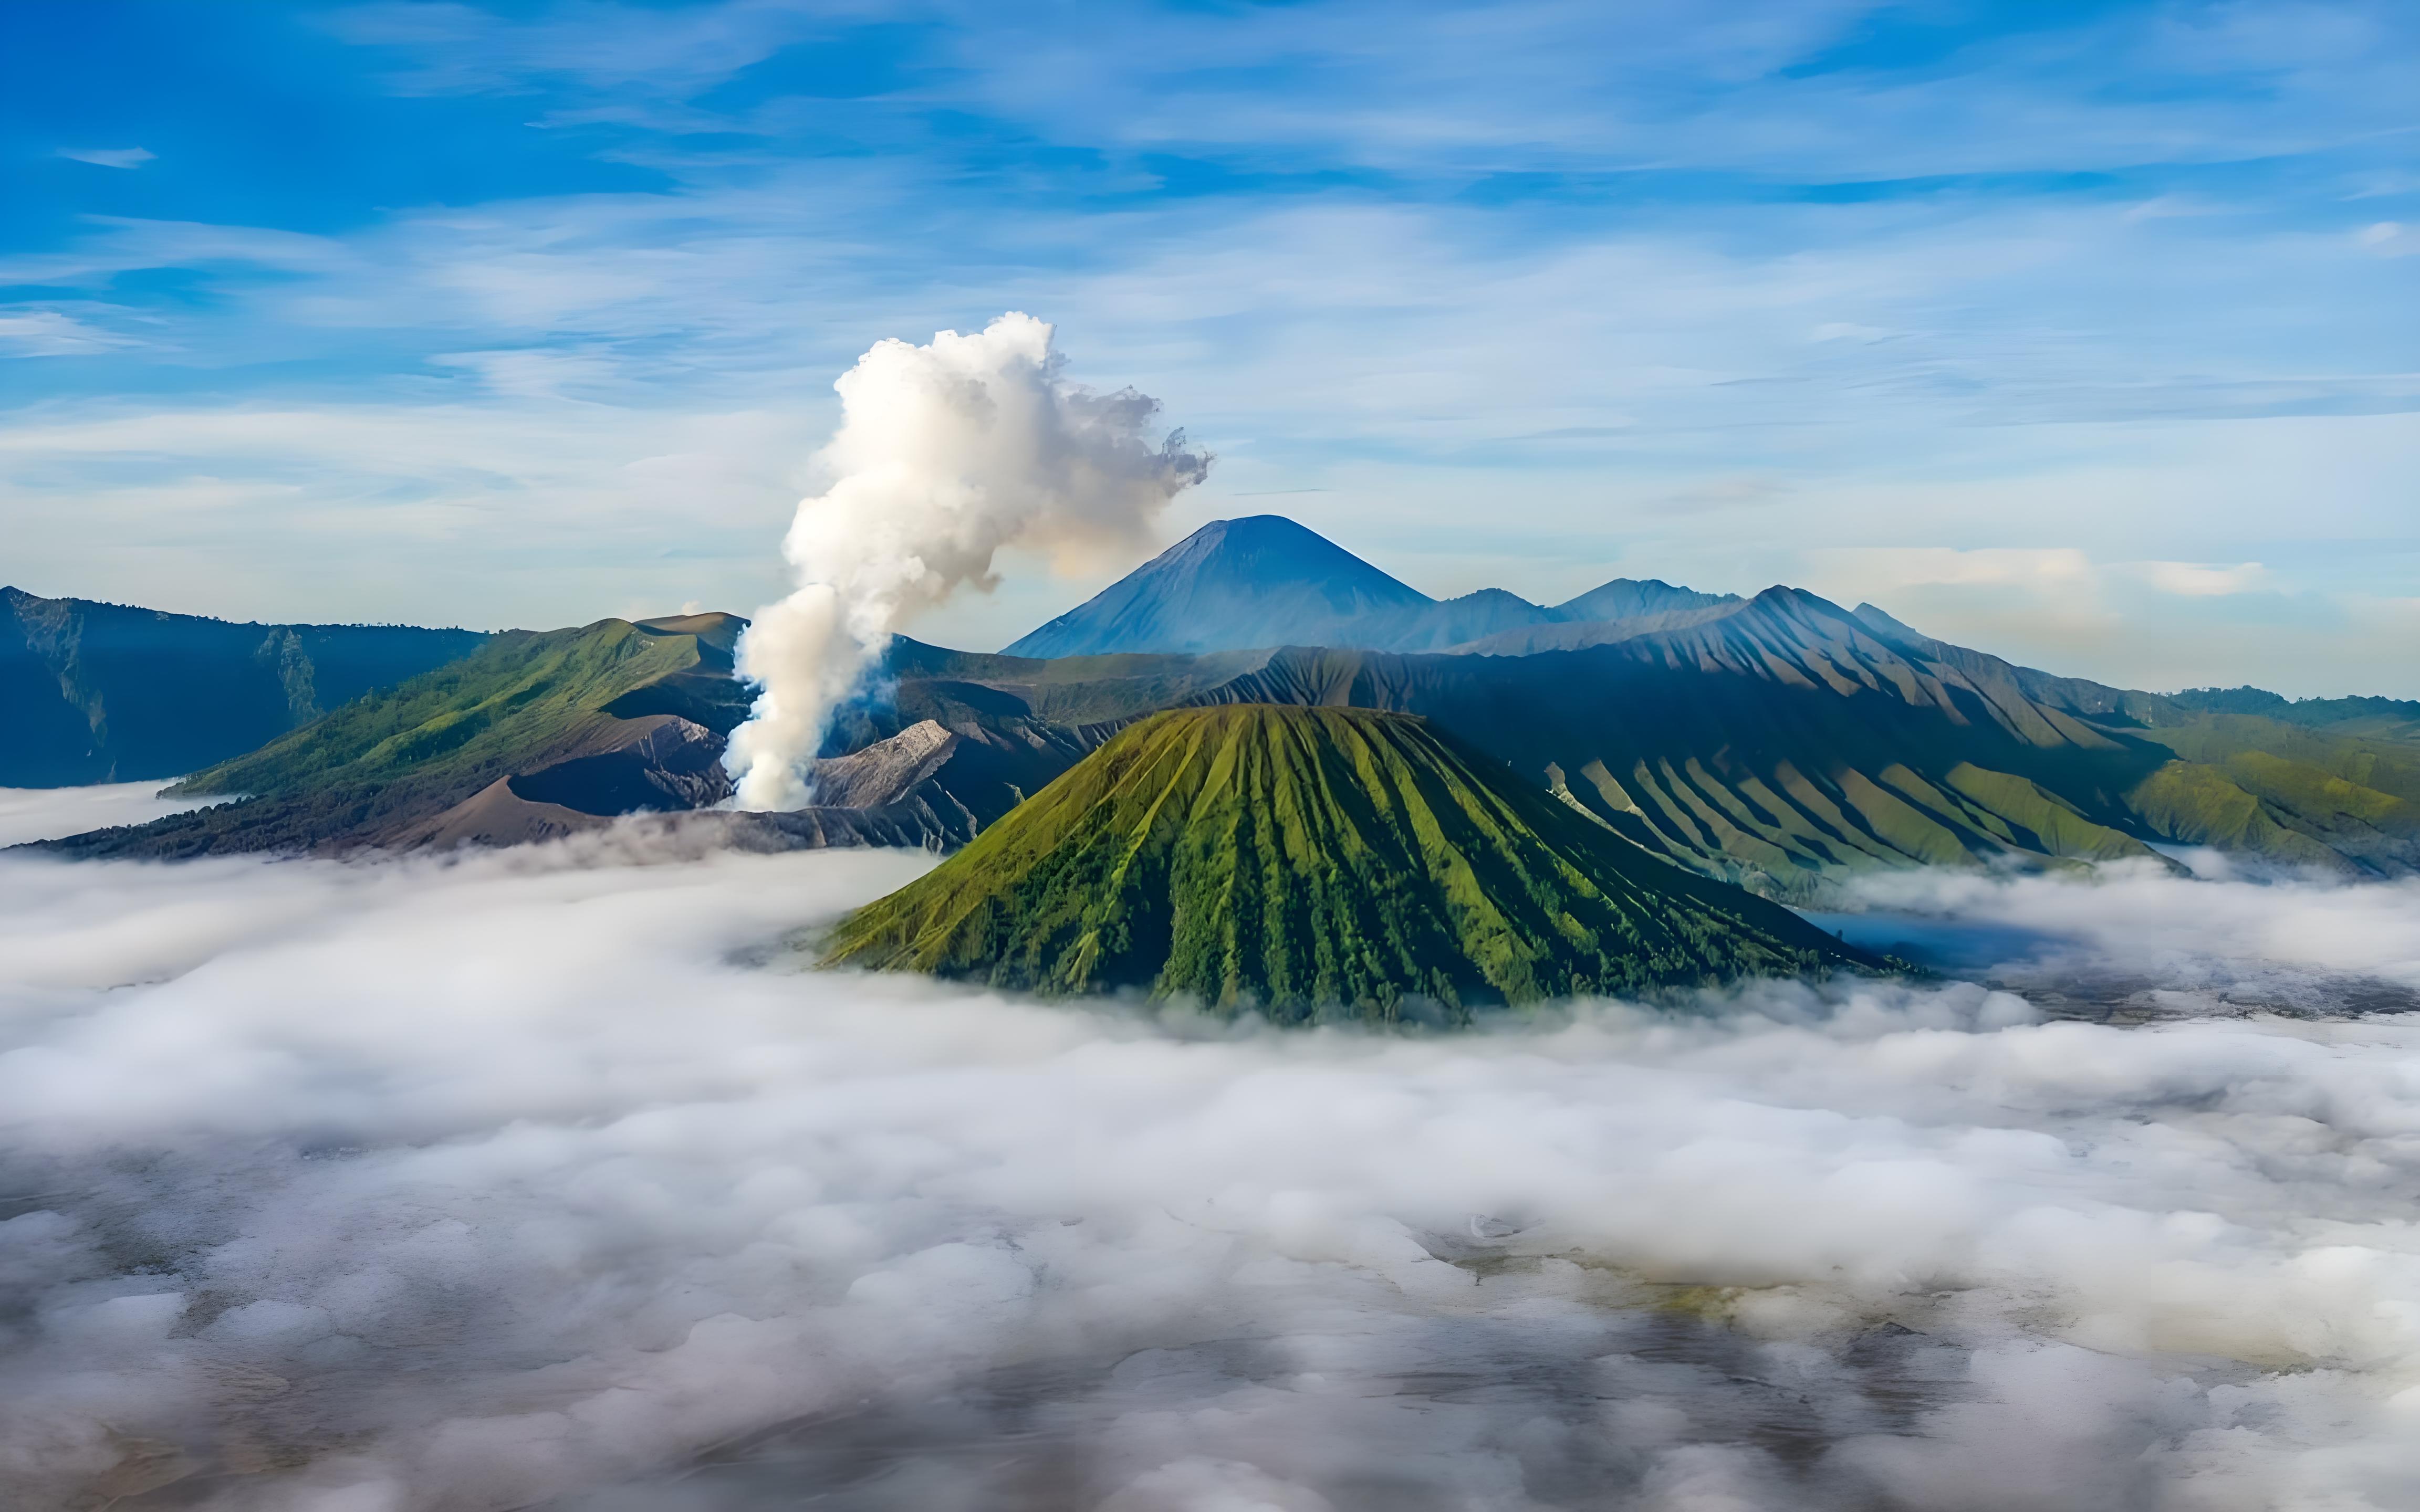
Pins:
<point x="930" y="631"/>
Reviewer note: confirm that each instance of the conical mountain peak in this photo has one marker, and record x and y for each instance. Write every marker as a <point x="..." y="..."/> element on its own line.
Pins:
<point x="1310" y="860"/>
<point x="1261" y="580"/>
<point x="1265" y="581"/>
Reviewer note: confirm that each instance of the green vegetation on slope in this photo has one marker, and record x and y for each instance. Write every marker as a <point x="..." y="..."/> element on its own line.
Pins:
<point x="1781" y="747"/>
<point x="524" y="701"/>
<point x="2378" y="718"/>
<point x="1781" y="743"/>
<point x="1308" y="858"/>
<point x="2336" y="802"/>
<point x="527" y="690"/>
<point x="1786" y="744"/>
<point x="2326" y="783"/>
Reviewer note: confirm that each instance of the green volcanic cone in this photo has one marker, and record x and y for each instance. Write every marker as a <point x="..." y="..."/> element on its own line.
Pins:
<point x="1304" y="859"/>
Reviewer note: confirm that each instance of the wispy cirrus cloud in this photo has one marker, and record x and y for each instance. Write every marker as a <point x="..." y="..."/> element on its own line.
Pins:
<point x="1911" y="276"/>
<point x="1831" y="93"/>
<point x="467" y="49"/>
<point x="34" y="331"/>
<point x="108" y="246"/>
<point x="110" y="157"/>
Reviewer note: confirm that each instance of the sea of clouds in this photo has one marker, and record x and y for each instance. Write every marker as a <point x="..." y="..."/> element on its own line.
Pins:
<point x="556" y="1178"/>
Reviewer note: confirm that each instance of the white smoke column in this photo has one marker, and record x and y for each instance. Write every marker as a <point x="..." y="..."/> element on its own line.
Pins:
<point x="945" y="454"/>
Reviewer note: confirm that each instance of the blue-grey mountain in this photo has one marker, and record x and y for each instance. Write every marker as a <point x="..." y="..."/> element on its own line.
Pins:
<point x="94" y="692"/>
<point x="1265" y="581"/>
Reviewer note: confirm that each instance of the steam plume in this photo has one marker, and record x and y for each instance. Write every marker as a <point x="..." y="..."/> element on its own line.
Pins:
<point x="945" y="454"/>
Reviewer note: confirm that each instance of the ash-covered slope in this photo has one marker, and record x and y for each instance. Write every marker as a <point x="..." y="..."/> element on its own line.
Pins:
<point x="94" y="692"/>
<point x="1306" y="859"/>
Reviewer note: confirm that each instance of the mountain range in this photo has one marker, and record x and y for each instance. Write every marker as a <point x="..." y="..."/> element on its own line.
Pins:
<point x="1780" y="742"/>
<point x="1787" y="744"/>
<point x="1265" y="580"/>
<point x="94" y="692"/>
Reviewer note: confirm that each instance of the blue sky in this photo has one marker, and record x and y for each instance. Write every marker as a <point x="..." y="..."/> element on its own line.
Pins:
<point x="2088" y="333"/>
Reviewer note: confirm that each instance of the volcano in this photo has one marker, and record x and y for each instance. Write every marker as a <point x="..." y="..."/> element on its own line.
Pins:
<point x="1310" y="862"/>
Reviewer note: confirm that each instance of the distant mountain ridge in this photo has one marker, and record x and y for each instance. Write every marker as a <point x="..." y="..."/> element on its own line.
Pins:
<point x="2395" y="719"/>
<point x="94" y="692"/>
<point x="1782" y="742"/>
<point x="1265" y="580"/>
<point x="1787" y="744"/>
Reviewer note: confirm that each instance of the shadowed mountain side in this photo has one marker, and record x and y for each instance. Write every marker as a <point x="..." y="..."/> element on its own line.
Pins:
<point x="1307" y="858"/>
<point x="1778" y="746"/>
<point x="94" y="692"/>
<point x="1575" y="635"/>
<point x="1630" y="598"/>
<point x="931" y="682"/>
<point x="959" y="777"/>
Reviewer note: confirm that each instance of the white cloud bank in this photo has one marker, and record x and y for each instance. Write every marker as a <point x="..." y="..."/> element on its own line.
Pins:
<point x="48" y="813"/>
<point x="544" y="1178"/>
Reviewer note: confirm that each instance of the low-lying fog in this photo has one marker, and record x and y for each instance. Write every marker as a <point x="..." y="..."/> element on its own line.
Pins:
<point x="551" y="1177"/>
<point x="49" y="813"/>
